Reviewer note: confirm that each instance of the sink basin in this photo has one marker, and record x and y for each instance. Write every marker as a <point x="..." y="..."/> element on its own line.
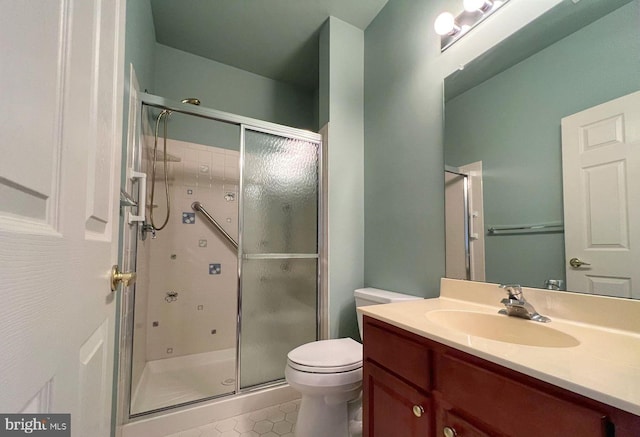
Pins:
<point x="502" y="328"/>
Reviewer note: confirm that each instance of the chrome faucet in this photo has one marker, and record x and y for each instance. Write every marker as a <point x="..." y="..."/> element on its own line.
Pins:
<point x="516" y="305"/>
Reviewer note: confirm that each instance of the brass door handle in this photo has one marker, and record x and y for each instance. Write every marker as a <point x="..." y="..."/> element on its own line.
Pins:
<point x="117" y="277"/>
<point x="576" y="263"/>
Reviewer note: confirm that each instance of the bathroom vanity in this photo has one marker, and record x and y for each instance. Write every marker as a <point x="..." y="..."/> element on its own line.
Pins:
<point x="428" y="376"/>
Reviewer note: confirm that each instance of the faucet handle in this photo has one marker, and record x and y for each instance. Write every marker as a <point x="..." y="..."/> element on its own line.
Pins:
<point x="513" y="290"/>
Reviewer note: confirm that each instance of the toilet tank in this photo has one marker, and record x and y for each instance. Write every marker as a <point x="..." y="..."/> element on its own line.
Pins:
<point x="375" y="296"/>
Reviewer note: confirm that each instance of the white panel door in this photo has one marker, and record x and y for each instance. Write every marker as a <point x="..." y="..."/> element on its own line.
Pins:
<point x="601" y="179"/>
<point x="60" y="142"/>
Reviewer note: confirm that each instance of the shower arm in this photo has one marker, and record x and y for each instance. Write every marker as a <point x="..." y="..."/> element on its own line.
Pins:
<point x="197" y="206"/>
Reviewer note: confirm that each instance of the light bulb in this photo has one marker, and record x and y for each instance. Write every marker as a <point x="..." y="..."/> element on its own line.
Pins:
<point x="476" y="5"/>
<point x="445" y="24"/>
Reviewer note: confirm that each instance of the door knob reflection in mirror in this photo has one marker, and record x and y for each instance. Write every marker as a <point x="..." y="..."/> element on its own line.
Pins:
<point x="576" y="263"/>
<point x="117" y="277"/>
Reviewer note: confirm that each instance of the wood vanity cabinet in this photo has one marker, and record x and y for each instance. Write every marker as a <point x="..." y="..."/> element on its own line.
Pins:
<point x="415" y="387"/>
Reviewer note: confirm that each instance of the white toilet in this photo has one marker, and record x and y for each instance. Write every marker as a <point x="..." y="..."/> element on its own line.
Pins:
<point x="328" y="374"/>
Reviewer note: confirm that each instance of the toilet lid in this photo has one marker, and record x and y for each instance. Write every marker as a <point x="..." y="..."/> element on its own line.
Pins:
<point x="327" y="356"/>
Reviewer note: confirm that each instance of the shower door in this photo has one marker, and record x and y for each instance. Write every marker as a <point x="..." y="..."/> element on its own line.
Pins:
<point x="208" y="319"/>
<point x="278" y="252"/>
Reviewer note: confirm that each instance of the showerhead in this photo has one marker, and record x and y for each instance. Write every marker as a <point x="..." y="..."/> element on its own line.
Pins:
<point x="191" y="101"/>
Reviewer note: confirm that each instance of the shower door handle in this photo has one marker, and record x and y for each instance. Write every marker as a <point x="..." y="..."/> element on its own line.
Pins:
<point x="142" y="197"/>
<point x="118" y="277"/>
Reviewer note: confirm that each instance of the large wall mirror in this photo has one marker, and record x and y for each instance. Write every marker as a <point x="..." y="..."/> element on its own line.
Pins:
<point x="509" y="119"/>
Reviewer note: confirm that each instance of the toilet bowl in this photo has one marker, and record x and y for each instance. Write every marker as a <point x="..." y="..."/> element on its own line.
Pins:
<point x="328" y="375"/>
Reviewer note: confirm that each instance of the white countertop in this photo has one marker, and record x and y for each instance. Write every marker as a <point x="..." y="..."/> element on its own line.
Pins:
<point x="604" y="366"/>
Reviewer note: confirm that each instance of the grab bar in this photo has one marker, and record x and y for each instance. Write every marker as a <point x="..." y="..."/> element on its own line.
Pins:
<point x="197" y="206"/>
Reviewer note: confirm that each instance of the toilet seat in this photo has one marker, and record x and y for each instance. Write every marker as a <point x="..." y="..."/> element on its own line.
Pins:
<point x="326" y="356"/>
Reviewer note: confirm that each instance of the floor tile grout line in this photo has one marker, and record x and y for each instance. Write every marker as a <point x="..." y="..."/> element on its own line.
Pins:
<point x="274" y="421"/>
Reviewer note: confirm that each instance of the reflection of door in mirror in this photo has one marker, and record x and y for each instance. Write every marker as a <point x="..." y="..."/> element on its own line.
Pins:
<point x="464" y="221"/>
<point x="601" y="173"/>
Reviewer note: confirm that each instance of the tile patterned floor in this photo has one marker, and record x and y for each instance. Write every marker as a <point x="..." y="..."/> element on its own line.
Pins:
<point x="276" y="421"/>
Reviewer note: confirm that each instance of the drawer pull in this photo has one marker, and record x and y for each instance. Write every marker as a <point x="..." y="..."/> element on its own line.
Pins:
<point x="418" y="410"/>
<point x="449" y="432"/>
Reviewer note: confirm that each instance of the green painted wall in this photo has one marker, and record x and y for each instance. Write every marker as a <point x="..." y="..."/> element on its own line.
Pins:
<point x="512" y="123"/>
<point x="180" y="74"/>
<point x="403" y="172"/>
<point x="140" y="44"/>
<point x="341" y="105"/>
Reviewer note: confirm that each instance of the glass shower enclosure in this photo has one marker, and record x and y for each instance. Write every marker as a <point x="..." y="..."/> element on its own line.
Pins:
<point x="231" y="283"/>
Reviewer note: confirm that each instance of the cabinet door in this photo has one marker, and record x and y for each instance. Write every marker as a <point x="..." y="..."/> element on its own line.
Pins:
<point x="458" y="427"/>
<point x="393" y="408"/>
<point x="511" y="407"/>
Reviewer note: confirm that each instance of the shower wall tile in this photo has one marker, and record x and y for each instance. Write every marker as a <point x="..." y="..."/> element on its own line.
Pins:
<point x="190" y="173"/>
<point x="180" y="262"/>
<point x="231" y="173"/>
<point x="217" y="172"/>
<point x="230" y="159"/>
<point x="188" y="153"/>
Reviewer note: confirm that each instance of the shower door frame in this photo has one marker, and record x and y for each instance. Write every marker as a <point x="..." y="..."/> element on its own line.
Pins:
<point x="320" y="320"/>
<point x="243" y="124"/>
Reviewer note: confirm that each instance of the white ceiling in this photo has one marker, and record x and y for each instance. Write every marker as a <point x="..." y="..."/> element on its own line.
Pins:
<point x="273" y="38"/>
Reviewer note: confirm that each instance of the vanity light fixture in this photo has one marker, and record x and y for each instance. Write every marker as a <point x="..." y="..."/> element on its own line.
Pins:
<point x="477" y="5"/>
<point x="445" y="24"/>
<point x="451" y="28"/>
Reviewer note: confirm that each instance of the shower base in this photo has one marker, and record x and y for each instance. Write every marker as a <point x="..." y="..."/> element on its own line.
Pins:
<point x="174" y="381"/>
<point x="204" y="413"/>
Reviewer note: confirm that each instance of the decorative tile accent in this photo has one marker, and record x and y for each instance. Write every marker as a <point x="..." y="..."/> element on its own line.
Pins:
<point x="188" y="218"/>
<point x="215" y="269"/>
<point x="202" y="243"/>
